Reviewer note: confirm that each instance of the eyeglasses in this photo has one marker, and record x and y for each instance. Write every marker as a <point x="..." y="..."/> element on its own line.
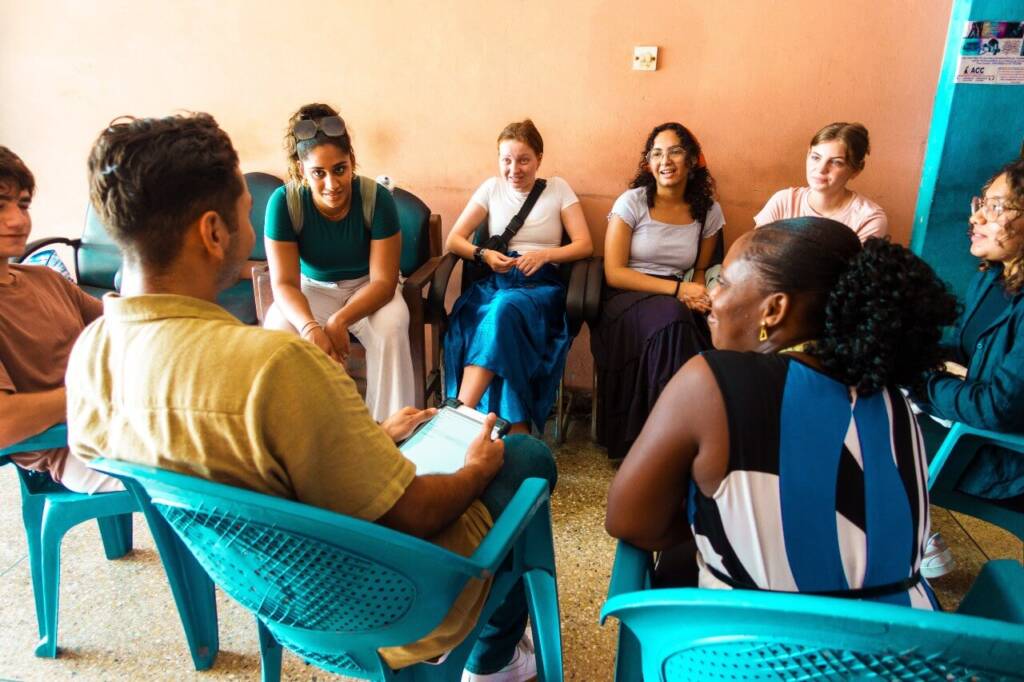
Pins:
<point x="993" y="208"/>
<point x="331" y="126"/>
<point x="676" y="153"/>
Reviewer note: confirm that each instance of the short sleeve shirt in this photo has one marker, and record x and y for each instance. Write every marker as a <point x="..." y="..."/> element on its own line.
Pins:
<point x="658" y="248"/>
<point x="863" y="216"/>
<point x="41" y="316"/>
<point x="332" y="250"/>
<point x="178" y="383"/>
<point x="542" y="228"/>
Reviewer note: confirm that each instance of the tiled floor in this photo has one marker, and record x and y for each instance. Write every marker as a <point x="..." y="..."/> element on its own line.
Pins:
<point x="117" y="619"/>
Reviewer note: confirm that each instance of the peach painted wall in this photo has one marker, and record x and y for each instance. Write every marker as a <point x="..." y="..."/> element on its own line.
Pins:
<point x="425" y="88"/>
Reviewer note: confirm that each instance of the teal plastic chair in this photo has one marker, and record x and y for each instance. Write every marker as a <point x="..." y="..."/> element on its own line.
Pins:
<point x="333" y="589"/>
<point x="948" y="466"/>
<point x="698" y="634"/>
<point x="49" y="511"/>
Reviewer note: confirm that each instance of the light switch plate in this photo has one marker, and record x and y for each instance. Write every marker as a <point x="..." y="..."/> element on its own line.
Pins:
<point x="645" y="58"/>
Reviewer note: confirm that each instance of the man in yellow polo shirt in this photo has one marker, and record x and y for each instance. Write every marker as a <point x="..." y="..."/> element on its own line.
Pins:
<point x="168" y="378"/>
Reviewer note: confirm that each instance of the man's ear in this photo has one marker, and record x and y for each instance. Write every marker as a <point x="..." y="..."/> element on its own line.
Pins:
<point x="213" y="234"/>
<point x="776" y="308"/>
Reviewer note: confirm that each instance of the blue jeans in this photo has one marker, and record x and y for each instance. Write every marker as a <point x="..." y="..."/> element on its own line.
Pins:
<point x="525" y="457"/>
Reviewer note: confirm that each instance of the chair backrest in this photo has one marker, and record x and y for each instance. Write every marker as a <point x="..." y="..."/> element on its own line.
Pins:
<point x="957" y="452"/>
<point x="414" y="219"/>
<point x="261" y="186"/>
<point x="98" y="258"/>
<point x="695" y="634"/>
<point x="330" y="587"/>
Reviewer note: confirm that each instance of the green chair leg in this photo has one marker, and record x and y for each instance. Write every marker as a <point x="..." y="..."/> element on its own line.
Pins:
<point x="191" y="586"/>
<point x="32" y="516"/>
<point x="116" y="533"/>
<point x="270" y="654"/>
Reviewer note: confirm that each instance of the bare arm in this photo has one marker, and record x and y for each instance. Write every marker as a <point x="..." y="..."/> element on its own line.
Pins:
<point x="283" y="259"/>
<point x="707" y="252"/>
<point x="458" y="239"/>
<point x="685" y="436"/>
<point x="579" y="247"/>
<point x="432" y="503"/>
<point x="26" y="414"/>
<point x="385" y="255"/>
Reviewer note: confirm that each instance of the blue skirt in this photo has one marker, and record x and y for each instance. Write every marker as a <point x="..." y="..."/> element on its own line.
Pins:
<point x="515" y="326"/>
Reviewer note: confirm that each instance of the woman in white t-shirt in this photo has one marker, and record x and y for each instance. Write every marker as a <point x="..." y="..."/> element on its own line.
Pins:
<point x="835" y="157"/>
<point x="661" y="238"/>
<point x="506" y="345"/>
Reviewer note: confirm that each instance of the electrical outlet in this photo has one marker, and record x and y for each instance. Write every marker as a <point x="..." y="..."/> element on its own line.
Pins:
<point x="645" y="58"/>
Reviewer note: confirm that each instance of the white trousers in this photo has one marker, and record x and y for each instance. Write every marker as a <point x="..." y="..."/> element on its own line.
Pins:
<point x="79" y="478"/>
<point x="390" y="384"/>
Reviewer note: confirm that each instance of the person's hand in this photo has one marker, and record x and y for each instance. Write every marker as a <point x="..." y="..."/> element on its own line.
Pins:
<point x="694" y="296"/>
<point x="337" y="332"/>
<point x="485" y="454"/>
<point x="498" y="262"/>
<point x="316" y="335"/>
<point x="531" y="262"/>
<point x="955" y="369"/>
<point x="401" y="424"/>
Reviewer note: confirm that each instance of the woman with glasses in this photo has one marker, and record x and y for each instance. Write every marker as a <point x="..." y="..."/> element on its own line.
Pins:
<point x="661" y="239"/>
<point x="984" y="385"/>
<point x="333" y="245"/>
<point x="836" y="156"/>
<point x="505" y="348"/>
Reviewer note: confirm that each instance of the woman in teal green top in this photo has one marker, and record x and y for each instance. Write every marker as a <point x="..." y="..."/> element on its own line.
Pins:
<point x="333" y="252"/>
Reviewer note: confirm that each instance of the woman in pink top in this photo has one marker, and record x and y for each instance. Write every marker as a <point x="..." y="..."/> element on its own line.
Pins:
<point x="835" y="157"/>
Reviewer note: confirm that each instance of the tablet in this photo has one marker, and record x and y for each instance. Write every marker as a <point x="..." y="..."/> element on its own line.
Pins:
<point x="439" y="446"/>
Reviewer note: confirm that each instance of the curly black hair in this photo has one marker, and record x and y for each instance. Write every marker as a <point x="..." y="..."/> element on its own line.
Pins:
<point x="700" y="186"/>
<point x="877" y="310"/>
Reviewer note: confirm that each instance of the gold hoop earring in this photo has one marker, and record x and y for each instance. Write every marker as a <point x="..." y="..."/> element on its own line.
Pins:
<point x="763" y="334"/>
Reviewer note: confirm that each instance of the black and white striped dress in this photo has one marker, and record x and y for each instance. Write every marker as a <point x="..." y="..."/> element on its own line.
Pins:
<point x="826" y="491"/>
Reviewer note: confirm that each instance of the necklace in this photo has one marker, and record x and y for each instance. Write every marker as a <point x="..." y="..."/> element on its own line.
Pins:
<point x="799" y="347"/>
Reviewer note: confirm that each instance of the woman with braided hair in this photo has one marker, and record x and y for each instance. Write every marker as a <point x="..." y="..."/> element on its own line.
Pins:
<point x="800" y="468"/>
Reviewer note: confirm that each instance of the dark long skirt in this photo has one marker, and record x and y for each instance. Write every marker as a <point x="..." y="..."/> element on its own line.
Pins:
<point x="639" y="343"/>
<point x="514" y="326"/>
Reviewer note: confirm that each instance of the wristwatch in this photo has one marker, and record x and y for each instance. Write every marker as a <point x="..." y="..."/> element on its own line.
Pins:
<point x="478" y="254"/>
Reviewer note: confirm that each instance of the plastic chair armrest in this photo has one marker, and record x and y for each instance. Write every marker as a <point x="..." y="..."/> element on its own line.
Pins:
<point x="510" y="525"/>
<point x="958" y="432"/>
<point x="631" y="571"/>
<point x="439" y="284"/>
<point x="54" y="437"/>
<point x="592" y="295"/>
<point x="32" y="247"/>
<point x="575" y="294"/>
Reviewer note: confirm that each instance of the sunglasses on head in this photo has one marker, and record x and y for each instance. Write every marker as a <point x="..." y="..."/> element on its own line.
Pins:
<point x="331" y="126"/>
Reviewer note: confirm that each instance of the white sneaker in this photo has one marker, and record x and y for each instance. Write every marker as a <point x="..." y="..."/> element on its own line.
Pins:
<point x="521" y="668"/>
<point x="938" y="559"/>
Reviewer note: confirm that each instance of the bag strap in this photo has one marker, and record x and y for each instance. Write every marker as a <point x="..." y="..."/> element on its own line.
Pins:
<point x="293" y="197"/>
<point x="368" y="190"/>
<point x="519" y="218"/>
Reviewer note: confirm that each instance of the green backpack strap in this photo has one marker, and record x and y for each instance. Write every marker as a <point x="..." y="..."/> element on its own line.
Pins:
<point x="293" y="198"/>
<point x="368" y="189"/>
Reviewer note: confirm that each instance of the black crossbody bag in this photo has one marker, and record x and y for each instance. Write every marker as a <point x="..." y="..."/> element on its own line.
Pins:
<point x="500" y="242"/>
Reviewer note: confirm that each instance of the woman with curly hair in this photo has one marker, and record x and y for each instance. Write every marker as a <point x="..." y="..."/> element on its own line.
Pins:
<point x="333" y="244"/>
<point x="661" y="238"/>
<point x="800" y="468"/>
<point x="984" y="385"/>
<point x="835" y="156"/>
